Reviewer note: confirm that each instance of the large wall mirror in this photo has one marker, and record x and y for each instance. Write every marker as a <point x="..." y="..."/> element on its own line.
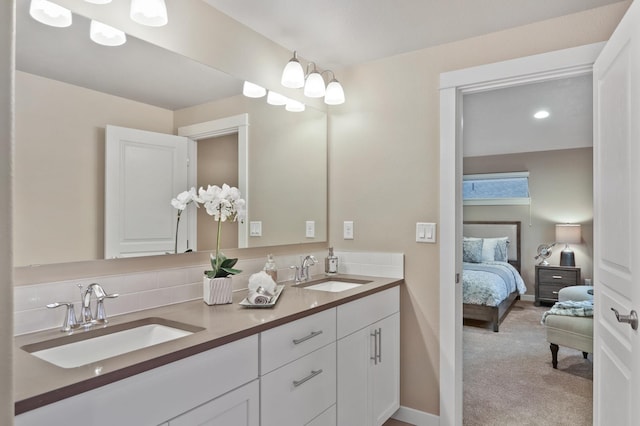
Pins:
<point x="68" y="89"/>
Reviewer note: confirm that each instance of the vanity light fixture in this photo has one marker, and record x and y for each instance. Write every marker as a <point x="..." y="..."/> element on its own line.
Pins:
<point x="334" y="94"/>
<point x="275" y="98"/>
<point x="50" y="13"/>
<point x="293" y="74"/>
<point x="252" y="90"/>
<point x="294" y="106"/>
<point x="152" y="13"/>
<point x="98" y="1"/>
<point x="106" y="35"/>
<point x="541" y="114"/>
<point x="314" y="86"/>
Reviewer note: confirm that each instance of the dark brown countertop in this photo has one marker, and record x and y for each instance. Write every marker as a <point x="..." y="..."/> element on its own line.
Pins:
<point x="38" y="383"/>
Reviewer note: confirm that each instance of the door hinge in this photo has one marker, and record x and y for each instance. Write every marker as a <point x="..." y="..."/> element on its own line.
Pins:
<point x="457" y="278"/>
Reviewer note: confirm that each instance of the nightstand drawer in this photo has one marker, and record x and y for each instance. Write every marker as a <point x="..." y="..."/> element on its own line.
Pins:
<point x="549" y="291"/>
<point x="563" y="276"/>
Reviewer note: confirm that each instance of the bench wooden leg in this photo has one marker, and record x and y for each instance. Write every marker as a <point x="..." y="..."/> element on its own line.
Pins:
<point x="585" y="354"/>
<point x="554" y="354"/>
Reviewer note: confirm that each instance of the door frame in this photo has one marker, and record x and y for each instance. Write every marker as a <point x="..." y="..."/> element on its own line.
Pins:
<point x="454" y="84"/>
<point x="224" y="126"/>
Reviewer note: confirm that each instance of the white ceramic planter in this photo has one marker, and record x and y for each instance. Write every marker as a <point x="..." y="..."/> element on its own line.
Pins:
<point x="217" y="291"/>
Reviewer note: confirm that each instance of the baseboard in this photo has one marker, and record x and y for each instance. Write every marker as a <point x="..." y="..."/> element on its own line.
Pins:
<point x="528" y="297"/>
<point x="416" y="417"/>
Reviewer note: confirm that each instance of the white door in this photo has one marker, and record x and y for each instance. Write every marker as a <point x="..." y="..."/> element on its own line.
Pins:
<point x="616" y="91"/>
<point x="143" y="172"/>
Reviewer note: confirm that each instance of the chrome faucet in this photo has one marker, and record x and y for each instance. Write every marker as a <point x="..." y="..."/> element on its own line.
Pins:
<point x="302" y="271"/>
<point x="87" y="317"/>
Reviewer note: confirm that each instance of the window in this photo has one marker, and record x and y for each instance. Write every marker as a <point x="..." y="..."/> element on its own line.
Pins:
<point x="496" y="189"/>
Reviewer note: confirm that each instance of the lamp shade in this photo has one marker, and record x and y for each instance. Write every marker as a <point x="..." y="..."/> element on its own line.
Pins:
<point x="252" y="90"/>
<point x="152" y="13"/>
<point x="568" y="233"/>
<point x="49" y="13"/>
<point x="106" y="35"/>
<point x="293" y="74"/>
<point x="275" y="98"/>
<point x="314" y="87"/>
<point x="334" y="94"/>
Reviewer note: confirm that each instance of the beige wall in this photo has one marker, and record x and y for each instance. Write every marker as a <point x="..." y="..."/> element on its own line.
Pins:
<point x="7" y="10"/>
<point x="561" y="189"/>
<point x="59" y="166"/>
<point x="384" y="166"/>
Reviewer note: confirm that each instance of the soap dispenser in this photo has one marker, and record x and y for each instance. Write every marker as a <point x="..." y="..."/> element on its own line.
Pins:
<point x="270" y="268"/>
<point x="331" y="263"/>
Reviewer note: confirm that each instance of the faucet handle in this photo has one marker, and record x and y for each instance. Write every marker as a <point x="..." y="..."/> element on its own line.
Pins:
<point x="70" y="320"/>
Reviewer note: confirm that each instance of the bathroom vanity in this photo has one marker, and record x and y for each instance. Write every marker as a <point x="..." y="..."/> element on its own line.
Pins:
<point x="316" y="358"/>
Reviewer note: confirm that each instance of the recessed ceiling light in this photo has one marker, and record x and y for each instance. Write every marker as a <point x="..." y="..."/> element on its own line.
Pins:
<point x="541" y="114"/>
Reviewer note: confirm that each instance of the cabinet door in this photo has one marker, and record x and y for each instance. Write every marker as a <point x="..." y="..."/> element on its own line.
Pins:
<point x="384" y="373"/>
<point x="354" y="352"/>
<point x="236" y="408"/>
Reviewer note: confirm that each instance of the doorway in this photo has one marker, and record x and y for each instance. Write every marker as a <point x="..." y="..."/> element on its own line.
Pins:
<point x="453" y="86"/>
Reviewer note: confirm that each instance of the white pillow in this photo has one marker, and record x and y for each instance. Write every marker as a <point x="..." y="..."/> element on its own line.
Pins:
<point x="489" y="252"/>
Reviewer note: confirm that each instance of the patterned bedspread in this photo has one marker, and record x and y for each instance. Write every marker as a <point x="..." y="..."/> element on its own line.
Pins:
<point x="489" y="283"/>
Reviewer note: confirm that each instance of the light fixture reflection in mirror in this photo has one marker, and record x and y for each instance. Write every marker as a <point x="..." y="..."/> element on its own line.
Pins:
<point x="50" y="13"/>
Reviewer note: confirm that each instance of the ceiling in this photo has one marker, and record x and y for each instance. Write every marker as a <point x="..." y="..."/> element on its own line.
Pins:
<point x="339" y="33"/>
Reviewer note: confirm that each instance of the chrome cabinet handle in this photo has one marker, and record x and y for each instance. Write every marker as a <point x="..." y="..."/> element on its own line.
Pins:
<point x="305" y="338"/>
<point x="631" y="319"/>
<point x="557" y="277"/>
<point x="380" y="345"/>
<point x="313" y="374"/>
<point x="376" y="349"/>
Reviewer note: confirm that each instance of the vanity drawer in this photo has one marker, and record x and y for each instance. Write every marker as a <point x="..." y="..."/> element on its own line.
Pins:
<point x="288" y="342"/>
<point x="300" y="391"/>
<point x="360" y="313"/>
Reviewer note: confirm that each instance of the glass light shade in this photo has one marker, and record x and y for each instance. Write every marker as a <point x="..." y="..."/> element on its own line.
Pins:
<point x="334" y="94"/>
<point x="152" y="13"/>
<point x="50" y="13"/>
<point x="275" y="98"/>
<point x="314" y="87"/>
<point x="106" y="35"/>
<point x="293" y="74"/>
<point x="98" y="1"/>
<point x="568" y="233"/>
<point x="294" y="106"/>
<point x="252" y="90"/>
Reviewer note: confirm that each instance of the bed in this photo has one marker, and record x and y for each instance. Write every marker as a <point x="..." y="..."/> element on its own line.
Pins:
<point x="491" y="281"/>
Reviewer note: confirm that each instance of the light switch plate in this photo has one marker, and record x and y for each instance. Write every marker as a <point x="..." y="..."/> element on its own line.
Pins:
<point x="255" y="229"/>
<point x="425" y="232"/>
<point x="310" y="229"/>
<point x="348" y="230"/>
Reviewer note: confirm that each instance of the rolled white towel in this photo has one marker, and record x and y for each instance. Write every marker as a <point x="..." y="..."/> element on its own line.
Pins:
<point x="262" y="279"/>
<point x="258" y="298"/>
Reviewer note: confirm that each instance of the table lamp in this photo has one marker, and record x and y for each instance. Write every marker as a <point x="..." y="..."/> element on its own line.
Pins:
<point x="568" y="233"/>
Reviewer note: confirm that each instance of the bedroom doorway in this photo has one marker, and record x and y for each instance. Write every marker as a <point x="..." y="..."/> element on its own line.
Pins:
<point x="553" y="65"/>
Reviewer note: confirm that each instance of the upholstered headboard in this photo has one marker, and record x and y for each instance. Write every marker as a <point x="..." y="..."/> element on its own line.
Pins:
<point x="489" y="229"/>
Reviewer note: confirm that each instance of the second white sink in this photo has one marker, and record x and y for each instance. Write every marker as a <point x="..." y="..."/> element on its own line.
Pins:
<point x="333" y="286"/>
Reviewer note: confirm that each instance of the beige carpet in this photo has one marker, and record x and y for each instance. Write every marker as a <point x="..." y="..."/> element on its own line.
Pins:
<point x="508" y="378"/>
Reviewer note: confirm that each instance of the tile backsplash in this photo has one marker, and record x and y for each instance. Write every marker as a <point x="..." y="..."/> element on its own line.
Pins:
<point x="147" y="290"/>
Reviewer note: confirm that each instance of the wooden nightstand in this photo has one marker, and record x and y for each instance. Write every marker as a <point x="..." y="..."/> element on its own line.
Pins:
<point x="550" y="279"/>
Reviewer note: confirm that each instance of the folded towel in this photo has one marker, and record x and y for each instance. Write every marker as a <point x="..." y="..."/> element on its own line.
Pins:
<point x="258" y="298"/>
<point x="264" y="280"/>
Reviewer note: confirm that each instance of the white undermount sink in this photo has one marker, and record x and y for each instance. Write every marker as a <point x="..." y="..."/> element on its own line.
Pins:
<point x="335" y="285"/>
<point x="122" y="339"/>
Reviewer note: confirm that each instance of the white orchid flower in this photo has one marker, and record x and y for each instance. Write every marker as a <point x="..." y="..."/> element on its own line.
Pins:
<point x="183" y="199"/>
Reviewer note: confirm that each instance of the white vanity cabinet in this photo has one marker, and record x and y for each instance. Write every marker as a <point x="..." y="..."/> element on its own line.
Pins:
<point x="155" y="396"/>
<point x="298" y="372"/>
<point x="368" y="359"/>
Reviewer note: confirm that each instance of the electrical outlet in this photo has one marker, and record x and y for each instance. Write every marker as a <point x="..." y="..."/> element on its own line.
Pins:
<point x="310" y="229"/>
<point x="348" y="230"/>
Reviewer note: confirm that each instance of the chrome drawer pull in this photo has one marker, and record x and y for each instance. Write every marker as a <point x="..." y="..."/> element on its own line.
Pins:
<point x="313" y="374"/>
<point x="376" y="342"/>
<point x="555" y="292"/>
<point x="557" y="277"/>
<point x="305" y="338"/>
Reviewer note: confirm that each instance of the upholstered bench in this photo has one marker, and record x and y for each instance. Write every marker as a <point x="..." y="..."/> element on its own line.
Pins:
<point x="571" y="331"/>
